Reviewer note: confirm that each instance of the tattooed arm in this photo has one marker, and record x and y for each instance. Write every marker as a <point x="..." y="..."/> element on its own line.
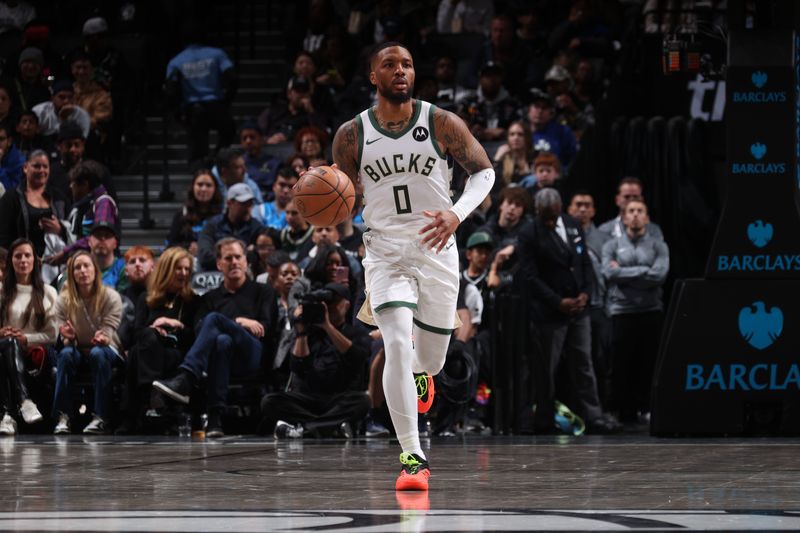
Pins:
<point x="345" y="156"/>
<point x="454" y="136"/>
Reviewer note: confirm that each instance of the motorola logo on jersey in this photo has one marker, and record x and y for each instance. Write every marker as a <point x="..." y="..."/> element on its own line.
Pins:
<point x="420" y="134"/>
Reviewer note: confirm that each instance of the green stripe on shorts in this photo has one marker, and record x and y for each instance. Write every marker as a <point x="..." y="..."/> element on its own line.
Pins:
<point x="396" y="303"/>
<point x="433" y="329"/>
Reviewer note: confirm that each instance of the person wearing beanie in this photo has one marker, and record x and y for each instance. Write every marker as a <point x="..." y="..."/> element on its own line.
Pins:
<point x="29" y="84"/>
<point x="61" y="108"/>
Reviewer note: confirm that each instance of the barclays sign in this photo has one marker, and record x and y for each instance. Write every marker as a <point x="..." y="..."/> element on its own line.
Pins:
<point x="760" y="234"/>
<point x="759" y="81"/>
<point x="758" y="150"/>
<point x="760" y="328"/>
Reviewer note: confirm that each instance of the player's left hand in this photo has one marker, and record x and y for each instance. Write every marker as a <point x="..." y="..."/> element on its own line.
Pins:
<point x="439" y="230"/>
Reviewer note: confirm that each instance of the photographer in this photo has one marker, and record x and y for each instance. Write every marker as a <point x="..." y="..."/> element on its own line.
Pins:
<point x="328" y="358"/>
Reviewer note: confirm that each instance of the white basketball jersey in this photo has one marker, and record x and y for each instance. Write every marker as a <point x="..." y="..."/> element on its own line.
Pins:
<point x="403" y="173"/>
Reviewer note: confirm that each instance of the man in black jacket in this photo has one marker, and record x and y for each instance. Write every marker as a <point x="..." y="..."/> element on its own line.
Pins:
<point x="326" y="389"/>
<point x="231" y="326"/>
<point x="557" y="273"/>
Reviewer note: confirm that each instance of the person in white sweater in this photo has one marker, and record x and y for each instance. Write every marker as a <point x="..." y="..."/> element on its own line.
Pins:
<point x="88" y="315"/>
<point x="27" y="325"/>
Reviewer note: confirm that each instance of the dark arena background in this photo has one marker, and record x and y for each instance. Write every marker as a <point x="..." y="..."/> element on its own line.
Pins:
<point x="144" y="132"/>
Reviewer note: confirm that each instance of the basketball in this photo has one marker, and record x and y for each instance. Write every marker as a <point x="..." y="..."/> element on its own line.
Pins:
<point x="324" y="196"/>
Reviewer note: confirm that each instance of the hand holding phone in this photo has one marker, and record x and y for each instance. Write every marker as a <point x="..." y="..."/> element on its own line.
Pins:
<point x="342" y="275"/>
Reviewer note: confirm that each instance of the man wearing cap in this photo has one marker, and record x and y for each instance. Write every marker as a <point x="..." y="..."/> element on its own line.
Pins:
<point x="262" y="167"/>
<point x="61" y="108"/>
<point x="492" y="109"/>
<point x="71" y="146"/>
<point x="91" y="205"/>
<point x="284" y="119"/>
<point x="103" y="243"/>
<point x="232" y="325"/>
<point x="236" y="222"/>
<point x="206" y="81"/>
<point x="29" y="86"/>
<point x="549" y="135"/>
<point x="109" y="64"/>
<point x="479" y="251"/>
<point x="328" y="357"/>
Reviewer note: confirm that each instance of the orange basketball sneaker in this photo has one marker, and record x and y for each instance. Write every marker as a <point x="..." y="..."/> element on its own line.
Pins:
<point x="425" y="392"/>
<point x="415" y="473"/>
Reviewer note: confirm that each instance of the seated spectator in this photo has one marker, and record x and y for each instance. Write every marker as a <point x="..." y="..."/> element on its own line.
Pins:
<point x="263" y="243"/>
<point x="287" y="272"/>
<point x="298" y="163"/>
<point x="305" y="66"/>
<point x="203" y="79"/>
<point x="7" y="110"/>
<point x="92" y="205"/>
<point x="284" y="119"/>
<point x="33" y="210"/>
<point x="11" y="159"/>
<point x="505" y="49"/>
<point x="14" y="16"/>
<point x="296" y="236"/>
<point x="71" y="146"/>
<point x="273" y="214"/>
<point x="328" y="357"/>
<point x="260" y="165"/>
<point x="583" y="31"/>
<point x="90" y="95"/>
<point x="512" y="161"/>
<point x="139" y="266"/>
<point x="479" y="252"/>
<point x="635" y="266"/>
<point x="61" y="108"/>
<point x="30" y="84"/>
<point x="546" y="174"/>
<point x="103" y="243"/>
<point x="493" y="109"/>
<point x="203" y="202"/>
<point x="27" y="137"/>
<point x="235" y="221"/>
<point x="465" y="16"/>
<point x="336" y="63"/>
<point x="164" y="332"/>
<point x="449" y="94"/>
<point x="329" y="265"/>
<point x="351" y="238"/>
<point x="110" y="68"/>
<point x="88" y="314"/>
<point x="329" y="236"/>
<point x="231" y="327"/>
<point x="549" y="135"/>
<point x="629" y="189"/>
<point x="27" y="328"/>
<point x="230" y="169"/>
<point x="311" y="142"/>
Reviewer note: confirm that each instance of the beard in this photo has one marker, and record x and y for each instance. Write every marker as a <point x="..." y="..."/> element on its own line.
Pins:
<point x="396" y="97"/>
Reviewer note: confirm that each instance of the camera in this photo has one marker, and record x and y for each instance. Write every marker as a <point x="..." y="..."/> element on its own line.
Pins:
<point x="313" y="308"/>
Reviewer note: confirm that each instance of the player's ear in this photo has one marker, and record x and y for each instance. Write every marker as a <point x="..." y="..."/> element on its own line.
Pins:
<point x="372" y="79"/>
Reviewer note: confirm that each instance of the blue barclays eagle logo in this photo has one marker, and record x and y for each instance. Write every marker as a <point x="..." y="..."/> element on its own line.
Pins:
<point x="759" y="79"/>
<point x="759" y="233"/>
<point x="760" y="329"/>
<point x="758" y="150"/>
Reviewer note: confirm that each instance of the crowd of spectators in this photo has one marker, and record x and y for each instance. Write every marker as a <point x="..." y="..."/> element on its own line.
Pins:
<point x="279" y="314"/>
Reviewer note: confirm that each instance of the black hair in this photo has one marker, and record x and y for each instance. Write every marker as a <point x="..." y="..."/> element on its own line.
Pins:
<point x="580" y="192"/>
<point x="226" y="156"/>
<point x="383" y="46"/>
<point x="88" y="171"/>
<point x="28" y="113"/>
<point x="5" y="126"/>
<point x="316" y="271"/>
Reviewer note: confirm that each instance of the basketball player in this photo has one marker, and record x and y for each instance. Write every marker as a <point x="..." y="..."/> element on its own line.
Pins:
<point x="395" y="153"/>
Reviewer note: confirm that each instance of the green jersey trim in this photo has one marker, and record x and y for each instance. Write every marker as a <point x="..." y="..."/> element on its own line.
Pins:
<point x="374" y="121"/>
<point x="360" y="128"/>
<point x="396" y="303"/>
<point x="433" y="329"/>
<point x="431" y="127"/>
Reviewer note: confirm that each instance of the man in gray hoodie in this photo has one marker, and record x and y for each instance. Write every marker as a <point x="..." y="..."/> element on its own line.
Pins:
<point x="635" y="266"/>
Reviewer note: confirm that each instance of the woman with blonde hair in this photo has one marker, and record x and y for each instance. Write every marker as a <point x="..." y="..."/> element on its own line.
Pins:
<point x="88" y="314"/>
<point x="27" y="325"/>
<point x="164" y="332"/>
